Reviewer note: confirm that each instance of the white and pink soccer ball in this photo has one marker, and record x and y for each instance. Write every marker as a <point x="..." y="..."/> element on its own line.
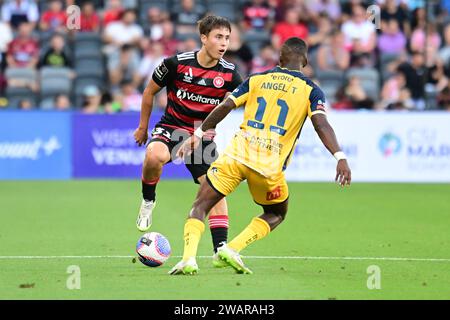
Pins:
<point x="153" y="249"/>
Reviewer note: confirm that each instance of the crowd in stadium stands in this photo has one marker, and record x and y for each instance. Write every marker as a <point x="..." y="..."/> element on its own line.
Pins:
<point x="100" y="61"/>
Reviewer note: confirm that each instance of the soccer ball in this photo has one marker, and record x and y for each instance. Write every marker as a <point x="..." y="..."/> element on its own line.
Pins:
<point x="153" y="249"/>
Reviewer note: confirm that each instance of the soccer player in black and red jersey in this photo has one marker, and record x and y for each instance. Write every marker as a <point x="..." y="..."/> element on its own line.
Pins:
<point x="196" y="83"/>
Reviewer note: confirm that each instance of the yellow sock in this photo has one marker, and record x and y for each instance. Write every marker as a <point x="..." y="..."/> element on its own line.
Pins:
<point x="193" y="229"/>
<point x="256" y="230"/>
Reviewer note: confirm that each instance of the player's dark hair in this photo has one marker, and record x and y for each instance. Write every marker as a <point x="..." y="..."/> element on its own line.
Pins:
<point x="211" y="22"/>
<point x="294" y="49"/>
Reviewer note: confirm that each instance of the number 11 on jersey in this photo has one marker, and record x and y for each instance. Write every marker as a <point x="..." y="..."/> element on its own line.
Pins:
<point x="258" y="124"/>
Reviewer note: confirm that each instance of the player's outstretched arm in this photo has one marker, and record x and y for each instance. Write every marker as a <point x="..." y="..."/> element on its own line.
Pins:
<point x="211" y="121"/>
<point x="328" y="137"/>
<point x="141" y="133"/>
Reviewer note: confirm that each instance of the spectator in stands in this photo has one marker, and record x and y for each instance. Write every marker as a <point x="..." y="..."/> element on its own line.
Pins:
<point x="414" y="72"/>
<point x="62" y="102"/>
<point x="23" y="51"/>
<point x="436" y="80"/>
<point x="56" y="55"/>
<point x="353" y="96"/>
<point x="153" y="56"/>
<point x="403" y="103"/>
<point x="324" y="29"/>
<point x="392" y="10"/>
<point x="89" y="20"/>
<point x="444" y="53"/>
<point x="419" y="19"/>
<point x="238" y="52"/>
<point x="130" y="98"/>
<point x="433" y="39"/>
<point x="122" y="66"/>
<point x="359" y="33"/>
<point x="190" y="44"/>
<point x="332" y="54"/>
<point x="258" y="15"/>
<point x="112" y="12"/>
<point x="267" y="59"/>
<point x="6" y="36"/>
<point x="443" y="99"/>
<point x="124" y="31"/>
<point x="393" y="94"/>
<point x="54" y="19"/>
<point x="317" y="8"/>
<point x="188" y="15"/>
<point x="291" y="27"/>
<point x="156" y="18"/>
<point x="108" y="104"/>
<point x="91" y="100"/>
<point x="168" y="40"/>
<point x="391" y="40"/>
<point x="17" y="11"/>
<point x="25" y="104"/>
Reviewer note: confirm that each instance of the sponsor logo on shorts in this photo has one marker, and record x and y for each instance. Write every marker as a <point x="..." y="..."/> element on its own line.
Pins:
<point x="274" y="194"/>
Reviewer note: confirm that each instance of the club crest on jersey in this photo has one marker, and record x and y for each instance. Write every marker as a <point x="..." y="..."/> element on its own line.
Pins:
<point x="188" y="76"/>
<point x="218" y="82"/>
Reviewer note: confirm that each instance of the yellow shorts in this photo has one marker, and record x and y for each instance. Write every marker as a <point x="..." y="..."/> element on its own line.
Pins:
<point x="225" y="174"/>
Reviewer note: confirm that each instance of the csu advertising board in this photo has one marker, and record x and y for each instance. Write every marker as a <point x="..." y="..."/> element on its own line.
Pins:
<point x="381" y="146"/>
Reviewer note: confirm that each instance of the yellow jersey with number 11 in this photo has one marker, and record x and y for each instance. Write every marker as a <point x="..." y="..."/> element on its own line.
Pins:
<point x="277" y="103"/>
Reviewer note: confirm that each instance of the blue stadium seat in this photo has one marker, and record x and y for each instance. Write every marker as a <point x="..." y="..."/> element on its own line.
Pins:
<point x="223" y="8"/>
<point x="256" y="39"/>
<point x="16" y="95"/>
<point x="55" y="80"/>
<point x="89" y="67"/>
<point x="370" y="80"/>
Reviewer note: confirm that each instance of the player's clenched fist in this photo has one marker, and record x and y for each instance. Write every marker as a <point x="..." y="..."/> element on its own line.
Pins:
<point x="141" y="136"/>
<point x="343" y="173"/>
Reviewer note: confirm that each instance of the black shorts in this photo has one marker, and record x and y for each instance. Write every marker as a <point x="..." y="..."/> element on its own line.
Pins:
<point x="199" y="161"/>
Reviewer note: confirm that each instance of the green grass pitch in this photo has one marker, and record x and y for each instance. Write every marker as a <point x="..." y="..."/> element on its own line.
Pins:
<point x="88" y="219"/>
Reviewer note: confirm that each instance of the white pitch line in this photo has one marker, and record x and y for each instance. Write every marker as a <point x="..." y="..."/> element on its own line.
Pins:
<point x="246" y="257"/>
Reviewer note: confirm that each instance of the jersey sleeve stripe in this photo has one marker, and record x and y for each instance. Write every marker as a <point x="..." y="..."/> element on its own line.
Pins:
<point x="318" y="111"/>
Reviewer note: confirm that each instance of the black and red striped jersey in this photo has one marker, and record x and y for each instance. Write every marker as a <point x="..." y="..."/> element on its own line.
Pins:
<point x="192" y="90"/>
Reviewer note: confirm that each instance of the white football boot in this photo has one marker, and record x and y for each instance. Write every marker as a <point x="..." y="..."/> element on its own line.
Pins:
<point x="233" y="259"/>
<point x="185" y="267"/>
<point x="217" y="262"/>
<point x="144" y="220"/>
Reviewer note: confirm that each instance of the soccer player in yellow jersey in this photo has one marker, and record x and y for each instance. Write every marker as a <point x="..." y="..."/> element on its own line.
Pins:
<point x="277" y="103"/>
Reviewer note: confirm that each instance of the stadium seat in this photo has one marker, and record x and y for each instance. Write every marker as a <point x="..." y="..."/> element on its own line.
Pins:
<point x="132" y="4"/>
<point x="16" y="95"/>
<point x="255" y="39"/>
<point x="330" y="76"/>
<point x="385" y="60"/>
<point x="55" y="81"/>
<point x="89" y="39"/>
<point x="89" y="67"/>
<point x="329" y="92"/>
<point x="330" y="82"/>
<point x="185" y="36"/>
<point x="369" y="80"/>
<point x="144" y="5"/>
<point x="224" y="8"/>
<point x="87" y="52"/>
<point x="25" y="74"/>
